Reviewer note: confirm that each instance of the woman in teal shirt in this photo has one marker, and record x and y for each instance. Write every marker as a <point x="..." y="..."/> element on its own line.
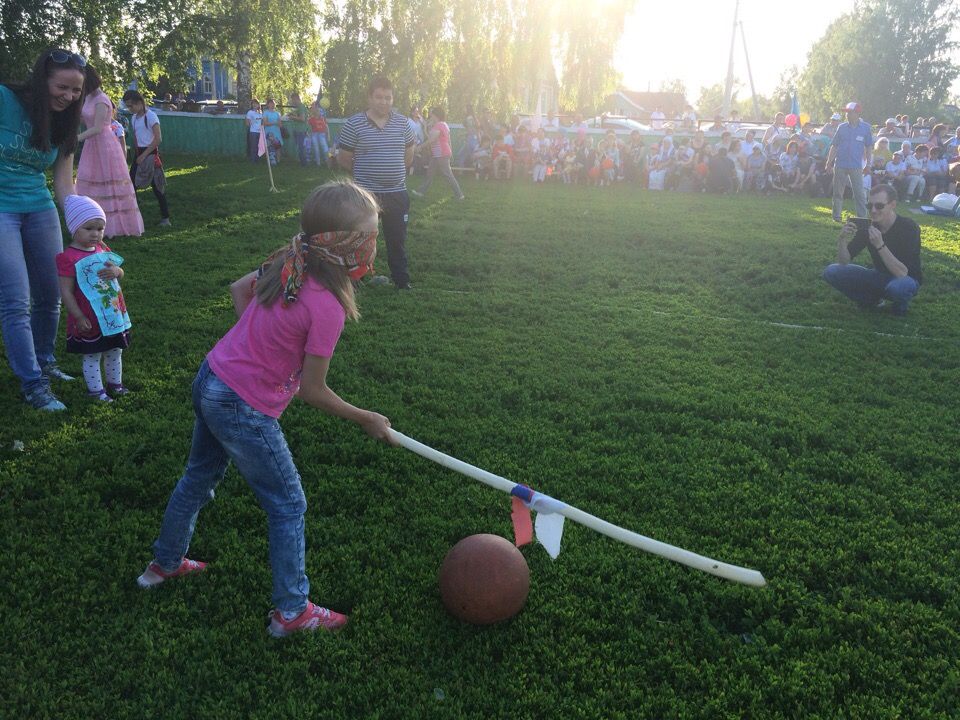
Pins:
<point x="39" y="121"/>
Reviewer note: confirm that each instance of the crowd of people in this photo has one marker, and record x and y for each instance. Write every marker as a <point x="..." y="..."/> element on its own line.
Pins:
<point x="304" y="128"/>
<point x="727" y="158"/>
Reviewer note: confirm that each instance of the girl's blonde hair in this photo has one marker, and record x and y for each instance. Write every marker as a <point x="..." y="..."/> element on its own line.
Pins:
<point x="336" y="205"/>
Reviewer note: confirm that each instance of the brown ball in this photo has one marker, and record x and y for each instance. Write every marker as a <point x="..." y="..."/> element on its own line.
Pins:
<point x="484" y="579"/>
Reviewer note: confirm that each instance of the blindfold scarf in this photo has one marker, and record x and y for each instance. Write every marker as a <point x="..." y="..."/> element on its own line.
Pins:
<point x="349" y="249"/>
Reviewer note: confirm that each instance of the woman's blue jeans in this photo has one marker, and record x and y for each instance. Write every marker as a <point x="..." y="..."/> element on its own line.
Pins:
<point x="30" y="292"/>
<point x="228" y="429"/>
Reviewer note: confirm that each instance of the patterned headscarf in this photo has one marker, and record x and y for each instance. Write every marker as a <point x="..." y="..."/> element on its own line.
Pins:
<point x="349" y="249"/>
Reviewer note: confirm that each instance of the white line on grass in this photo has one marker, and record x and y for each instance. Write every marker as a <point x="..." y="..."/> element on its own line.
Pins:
<point x="794" y="326"/>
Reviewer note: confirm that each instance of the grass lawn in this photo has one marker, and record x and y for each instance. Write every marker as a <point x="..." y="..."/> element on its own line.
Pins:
<point x="634" y="354"/>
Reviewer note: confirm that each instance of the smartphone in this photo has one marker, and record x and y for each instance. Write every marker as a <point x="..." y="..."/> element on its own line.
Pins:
<point x="863" y="228"/>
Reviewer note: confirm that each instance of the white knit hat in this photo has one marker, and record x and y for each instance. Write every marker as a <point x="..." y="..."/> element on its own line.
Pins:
<point x="79" y="209"/>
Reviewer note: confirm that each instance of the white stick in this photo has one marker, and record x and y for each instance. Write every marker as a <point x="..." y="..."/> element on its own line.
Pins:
<point x="670" y="552"/>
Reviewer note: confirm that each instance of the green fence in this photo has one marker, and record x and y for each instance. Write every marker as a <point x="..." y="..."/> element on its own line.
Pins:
<point x="199" y="133"/>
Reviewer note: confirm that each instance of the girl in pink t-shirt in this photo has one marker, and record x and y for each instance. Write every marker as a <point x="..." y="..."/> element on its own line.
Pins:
<point x="291" y="312"/>
<point x="440" y="153"/>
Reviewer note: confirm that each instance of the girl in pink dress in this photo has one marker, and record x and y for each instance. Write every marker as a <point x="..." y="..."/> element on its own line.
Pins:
<point x="102" y="173"/>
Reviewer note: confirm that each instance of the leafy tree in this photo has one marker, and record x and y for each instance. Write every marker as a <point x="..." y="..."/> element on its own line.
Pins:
<point x="710" y="103"/>
<point x="588" y="34"/>
<point x="674" y="86"/>
<point x="470" y="52"/>
<point x="890" y="55"/>
<point x="27" y="27"/>
<point x="273" y="44"/>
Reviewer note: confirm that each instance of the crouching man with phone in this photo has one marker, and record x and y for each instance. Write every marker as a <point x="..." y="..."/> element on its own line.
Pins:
<point x="894" y="245"/>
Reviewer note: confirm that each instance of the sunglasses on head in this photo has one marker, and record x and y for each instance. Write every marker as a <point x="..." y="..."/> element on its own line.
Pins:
<point x="62" y="56"/>
<point x="876" y="206"/>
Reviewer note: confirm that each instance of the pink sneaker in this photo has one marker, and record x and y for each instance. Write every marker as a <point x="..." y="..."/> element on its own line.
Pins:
<point x="313" y="617"/>
<point x="153" y="575"/>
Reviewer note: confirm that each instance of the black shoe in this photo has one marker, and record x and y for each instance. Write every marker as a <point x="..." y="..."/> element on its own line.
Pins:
<point x="405" y="286"/>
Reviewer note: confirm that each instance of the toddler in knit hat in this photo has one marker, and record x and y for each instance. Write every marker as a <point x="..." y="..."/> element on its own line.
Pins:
<point x="79" y="210"/>
<point x="91" y="333"/>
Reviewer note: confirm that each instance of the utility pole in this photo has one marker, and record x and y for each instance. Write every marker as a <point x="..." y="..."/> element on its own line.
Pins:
<point x="753" y="94"/>
<point x="728" y="90"/>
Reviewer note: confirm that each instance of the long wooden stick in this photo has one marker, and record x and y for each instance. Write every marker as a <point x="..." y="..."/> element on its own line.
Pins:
<point x="266" y="148"/>
<point x="670" y="552"/>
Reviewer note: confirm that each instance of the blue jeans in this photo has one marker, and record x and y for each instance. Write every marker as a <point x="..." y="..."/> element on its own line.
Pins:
<point x="30" y="292"/>
<point x="228" y="429"/>
<point x="867" y="287"/>
<point x="321" y="151"/>
<point x="300" y="140"/>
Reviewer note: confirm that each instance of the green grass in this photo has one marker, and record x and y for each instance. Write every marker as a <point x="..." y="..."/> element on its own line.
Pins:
<point x="613" y="348"/>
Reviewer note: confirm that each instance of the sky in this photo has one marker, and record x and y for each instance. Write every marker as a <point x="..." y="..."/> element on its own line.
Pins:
<point x="694" y="45"/>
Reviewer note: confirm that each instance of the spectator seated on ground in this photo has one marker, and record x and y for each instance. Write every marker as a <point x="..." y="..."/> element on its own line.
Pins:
<point x="804" y="139"/>
<point x="891" y="129"/>
<point x="916" y="168"/>
<point x="878" y="170"/>
<point x="634" y="158"/>
<point x="722" y="174"/>
<point x="938" y="135"/>
<point x="896" y="172"/>
<point x="954" y="142"/>
<point x="806" y="181"/>
<point x="881" y="149"/>
<point x="821" y="145"/>
<point x="483" y="159"/>
<point x="502" y="159"/>
<point x="920" y="129"/>
<point x="937" y="175"/>
<point x="903" y="122"/>
<point x="661" y="165"/>
<point x="772" y="134"/>
<point x="522" y="149"/>
<point x="755" y="177"/>
<point x="788" y="165"/>
<point x="697" y="142"/>
<point x="682" y="176"/>
<point x="735" y="152"/>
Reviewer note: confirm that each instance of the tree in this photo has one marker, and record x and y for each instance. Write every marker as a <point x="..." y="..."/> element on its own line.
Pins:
<point x="470" y="52"/>
<point x="27" y="27"/>
<point x="710" y="103"/>
<point x="674" y="86"/>
<point x="890" y="55"/>
<point x="587" y="35"/>
<point x="273" y="44"/>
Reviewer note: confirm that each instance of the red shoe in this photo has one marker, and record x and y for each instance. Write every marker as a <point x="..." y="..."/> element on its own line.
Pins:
<point x="154" y="574"/>
<point x="313" y="617"/>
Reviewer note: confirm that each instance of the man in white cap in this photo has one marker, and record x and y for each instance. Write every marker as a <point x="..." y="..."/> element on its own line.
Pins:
<point x="830" y="129"/>
<point x="850" y="152"/>
<point x="891" y="130"/>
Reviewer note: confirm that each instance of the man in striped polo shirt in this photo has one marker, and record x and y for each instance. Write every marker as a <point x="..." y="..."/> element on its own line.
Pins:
<point x="377" y="147"/>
